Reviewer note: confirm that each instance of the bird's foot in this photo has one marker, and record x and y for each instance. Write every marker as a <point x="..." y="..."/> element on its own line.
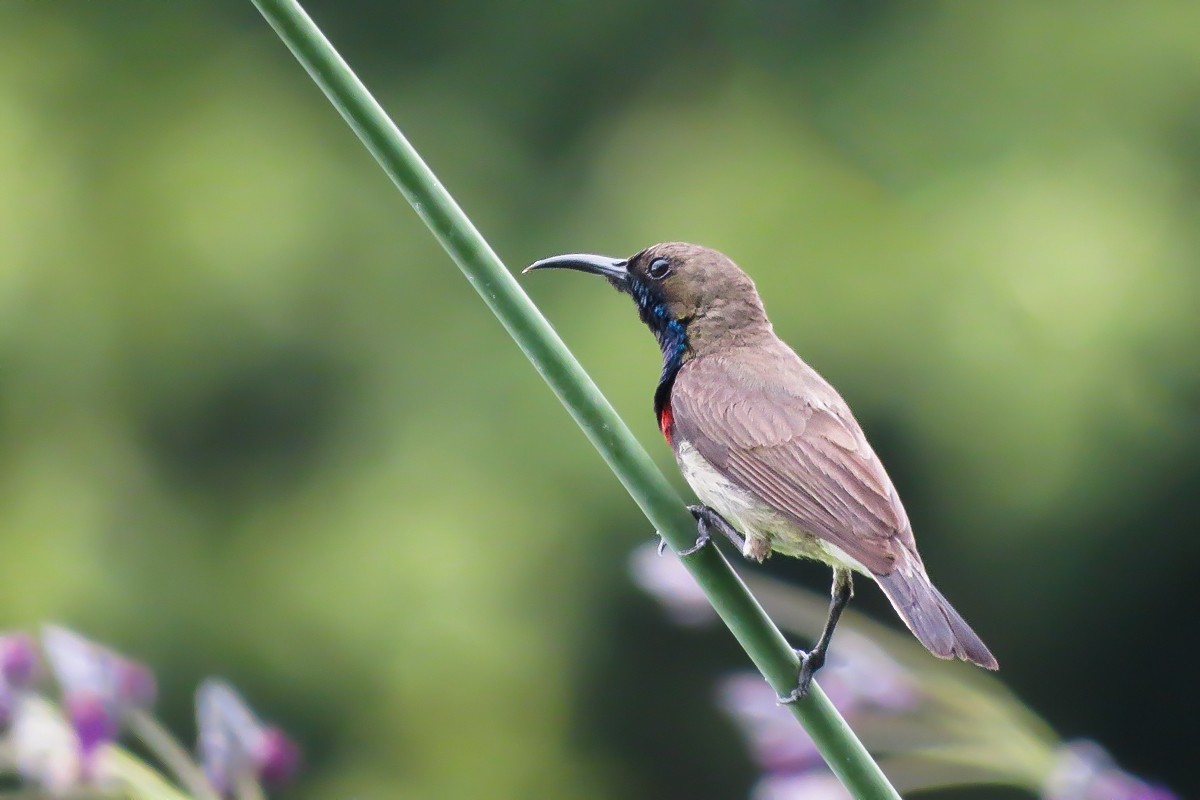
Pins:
<point x="809" y="664"/>
<point x="708" y="521"/>
<point x="701" y="541"/>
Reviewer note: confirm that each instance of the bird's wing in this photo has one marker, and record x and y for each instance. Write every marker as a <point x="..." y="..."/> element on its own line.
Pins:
<point x="791" y="440"/>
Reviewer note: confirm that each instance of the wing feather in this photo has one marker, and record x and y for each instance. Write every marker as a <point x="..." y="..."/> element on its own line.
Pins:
<point x="792" y="440"/>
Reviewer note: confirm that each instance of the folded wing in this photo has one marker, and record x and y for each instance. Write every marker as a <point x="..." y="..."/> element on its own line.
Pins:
<point x="792" y="440"/>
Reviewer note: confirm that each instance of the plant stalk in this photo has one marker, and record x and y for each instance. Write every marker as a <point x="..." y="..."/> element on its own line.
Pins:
<point x="159" y="741"/>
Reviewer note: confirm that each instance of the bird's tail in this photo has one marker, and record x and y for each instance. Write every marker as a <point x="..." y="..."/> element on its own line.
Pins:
<point x="932" y="619"/>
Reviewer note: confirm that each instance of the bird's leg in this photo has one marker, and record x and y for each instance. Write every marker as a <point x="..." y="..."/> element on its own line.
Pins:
<point x="707" y="521"/>
<point x="840" y="594"/>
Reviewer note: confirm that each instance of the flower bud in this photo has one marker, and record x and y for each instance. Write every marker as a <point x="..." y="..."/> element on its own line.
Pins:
<point x="1085" y="771"/>
<point x="235" y="744"/>
<point x="278" y="757"/>
<point x="92" y="720"/>
<point x="18" y="660"/>
<point x="99" y="686"/>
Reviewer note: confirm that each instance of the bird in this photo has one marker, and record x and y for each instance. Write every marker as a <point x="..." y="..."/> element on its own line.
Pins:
<point x="771" y="450"/>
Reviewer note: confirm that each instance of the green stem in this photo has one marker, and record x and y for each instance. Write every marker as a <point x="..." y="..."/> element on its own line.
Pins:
<point x="761" y="640"/>
<point x="167" y="749"/>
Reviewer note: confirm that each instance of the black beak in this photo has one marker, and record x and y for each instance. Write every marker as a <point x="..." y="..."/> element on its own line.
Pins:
<point x="612" y="268"/>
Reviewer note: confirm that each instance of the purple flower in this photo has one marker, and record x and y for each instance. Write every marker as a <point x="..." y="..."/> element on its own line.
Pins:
<point x="8" y="704"/>
<point x="1085" y="771"/>
<point x="815" y="784"/>
<point x="859" y="676"/>
<point x="776" y="742"/>
<point x="235" y="744"/>
<point x="18" y="660"/>
<point x="669" y="582"/>
<point x="277" y="756"/>
<point x="93" y="722"/>
<point x="136" y="686"/>
<point x="909" y="713"/>
<point x="99" y="686"/>
<point x="18" y="671"/>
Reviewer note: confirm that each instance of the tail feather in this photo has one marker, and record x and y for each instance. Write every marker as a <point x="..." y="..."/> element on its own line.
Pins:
<point x="932" y="619"/>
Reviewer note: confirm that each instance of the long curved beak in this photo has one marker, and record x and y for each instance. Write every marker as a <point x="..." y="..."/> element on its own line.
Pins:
<point x="612" y="268"/>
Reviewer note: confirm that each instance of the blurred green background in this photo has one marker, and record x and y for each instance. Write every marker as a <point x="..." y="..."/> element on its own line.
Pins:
<point x="254" y="423"/>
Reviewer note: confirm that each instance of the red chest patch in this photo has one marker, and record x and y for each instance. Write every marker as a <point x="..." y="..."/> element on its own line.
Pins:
<point x="665" y="421"/>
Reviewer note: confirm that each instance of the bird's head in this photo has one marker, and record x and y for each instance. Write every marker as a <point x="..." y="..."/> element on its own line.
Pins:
<point x="689" y="296"/>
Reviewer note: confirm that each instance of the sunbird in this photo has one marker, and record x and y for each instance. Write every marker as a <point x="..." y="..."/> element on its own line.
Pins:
<point x="772" y="451"/>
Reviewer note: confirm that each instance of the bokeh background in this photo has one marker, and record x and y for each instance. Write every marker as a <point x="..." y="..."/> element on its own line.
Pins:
<point x="254" y="423"/>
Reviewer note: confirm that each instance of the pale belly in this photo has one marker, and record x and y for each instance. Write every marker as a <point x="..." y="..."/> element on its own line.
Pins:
<point x="766" y="530"/>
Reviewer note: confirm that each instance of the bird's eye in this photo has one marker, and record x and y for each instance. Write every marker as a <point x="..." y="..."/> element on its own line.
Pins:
<point x="659" y="269"/>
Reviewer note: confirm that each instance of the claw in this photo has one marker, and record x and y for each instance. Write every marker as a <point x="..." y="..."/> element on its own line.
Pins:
<point x="701" y="540"/>
<point x="704" y="525"/>
<point x="708" y="520"/>
<point x="809" y="664"/>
